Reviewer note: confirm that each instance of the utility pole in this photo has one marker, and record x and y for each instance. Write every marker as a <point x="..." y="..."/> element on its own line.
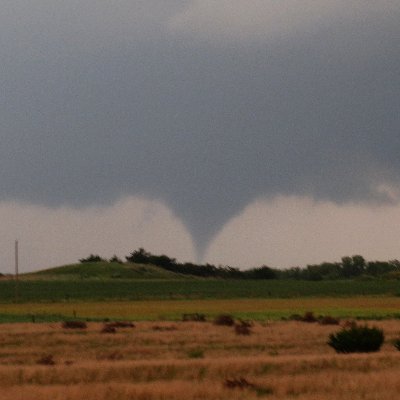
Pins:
<point x="16" y="272"/>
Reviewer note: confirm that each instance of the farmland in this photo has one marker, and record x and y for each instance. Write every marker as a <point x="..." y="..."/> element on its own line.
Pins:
<point x="162" y="357"/>
<point x="191" y="360"/>
<point x="145" y="292"/>
<point x="163" y="289"/>
<point x="365" y="307"/>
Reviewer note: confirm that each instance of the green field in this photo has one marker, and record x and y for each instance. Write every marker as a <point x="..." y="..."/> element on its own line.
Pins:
<point x="95" y="290"/>
<point x="361" y="307"/>
<point x="107" y="290"/>
<point x="97" y="281"/>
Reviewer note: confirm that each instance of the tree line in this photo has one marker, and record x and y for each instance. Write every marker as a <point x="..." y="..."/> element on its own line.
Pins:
<point x="348" y="268"/>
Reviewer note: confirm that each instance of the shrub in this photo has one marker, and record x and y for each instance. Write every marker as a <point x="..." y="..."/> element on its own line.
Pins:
<point x="46" y="360"/>
<point x="108" y="329"/>
<point x="357" y="339"/>
<point x="243" y="384"/>
<point x="91" y="258"/>
<point x="396" y="344"/>
<point x="328" y="320"/>
<point x="74" y="325"/>
<point x="240" y="383"/>
<point x="309" y="317"/>
<point x="306" y="317"/>
<point x="242" y="328"/>
<point x="121" y="324"/>
<point x="224" y="319"/>
<point x="116" y="259"/>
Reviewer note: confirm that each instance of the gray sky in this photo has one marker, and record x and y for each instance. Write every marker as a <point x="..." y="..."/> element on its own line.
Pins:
<point x="187" y="126"/>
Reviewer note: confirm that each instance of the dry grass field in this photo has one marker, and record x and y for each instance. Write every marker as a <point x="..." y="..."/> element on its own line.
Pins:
<point x="192" y="360"/>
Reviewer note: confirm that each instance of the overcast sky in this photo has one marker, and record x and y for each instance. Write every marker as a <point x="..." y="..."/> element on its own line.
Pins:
<point x="236" y="132"/>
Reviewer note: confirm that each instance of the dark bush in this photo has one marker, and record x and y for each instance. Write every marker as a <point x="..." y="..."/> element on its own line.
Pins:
<point x="396" y="344"/>
<point x="91" y="258"/>
<point x="224" y="319"/>
<point x="46" y="360"/>
<point x="140" y="256"/>
<point x="116" y="259"/>
<point x="263" y="272"/>
<point x="240" y="383"/>
<point x="309" y="317"/>
<point x="108" y="329"/>
<point x="243" y="384"/>
<point x="121" y="324"/>
<point x="74" y="325"/>
<point x="328" y="320"/>
<point x="242" y="328"/>
<point x="306" y="317"/>
<point x="357" y="339"/>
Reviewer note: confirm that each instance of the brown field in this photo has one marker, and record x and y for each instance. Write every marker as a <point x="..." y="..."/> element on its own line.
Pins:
<point x="192" y="360"/>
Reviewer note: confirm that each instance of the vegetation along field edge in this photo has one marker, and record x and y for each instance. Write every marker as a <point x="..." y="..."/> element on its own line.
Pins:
<point x="365" y="307"/>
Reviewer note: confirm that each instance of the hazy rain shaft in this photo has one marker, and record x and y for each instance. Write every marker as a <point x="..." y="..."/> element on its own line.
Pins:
<point x="205" y="106"/>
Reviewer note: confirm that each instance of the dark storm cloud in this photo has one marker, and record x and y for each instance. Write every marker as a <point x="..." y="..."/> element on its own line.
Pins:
<point x="101" y="101"/>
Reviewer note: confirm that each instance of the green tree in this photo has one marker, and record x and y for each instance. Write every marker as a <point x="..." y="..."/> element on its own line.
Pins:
<point x="353" y="266"/>
<point x="140" y="256"/>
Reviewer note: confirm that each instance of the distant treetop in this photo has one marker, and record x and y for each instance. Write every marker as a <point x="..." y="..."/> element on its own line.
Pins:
<point x="92" y="258"/>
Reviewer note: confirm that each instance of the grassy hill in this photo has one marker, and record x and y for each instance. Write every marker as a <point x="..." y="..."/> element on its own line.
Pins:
<point x="103" y="270"/>
<point x="104" y="281"/>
